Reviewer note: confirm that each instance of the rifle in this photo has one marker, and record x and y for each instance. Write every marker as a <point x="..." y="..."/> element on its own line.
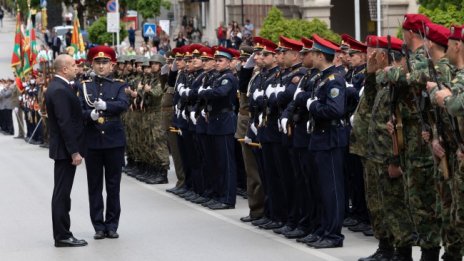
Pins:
<point x="395" y="116"/>
<point x="312" y="82"/>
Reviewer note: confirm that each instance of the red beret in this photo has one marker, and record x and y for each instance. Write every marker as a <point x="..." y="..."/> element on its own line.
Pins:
<point x="307" y="44"/>
<point x="372" y="41"/>
<point x="415" y="22"/>
<point x="455" y="32"/>
<point x="437" y="34"/>
<point x="101" y="51"/>
<point x="355" y="46"/>
<point x="264" y="44"/>
<point x="323" y="45"/>
<point x="289" y="44"/>
<point x="207" y="52"/>
<point x="221" y="51"/>
<point x="395" y="43"/>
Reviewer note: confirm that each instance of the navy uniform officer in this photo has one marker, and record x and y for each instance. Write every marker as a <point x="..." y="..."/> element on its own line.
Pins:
<point x="103" y="100"/>
<point x="222" y="122"/>
<point x="328" y="142"/>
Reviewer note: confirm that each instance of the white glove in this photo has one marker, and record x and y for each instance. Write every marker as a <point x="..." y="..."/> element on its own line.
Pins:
<point x="260" y="119"/>
<point x="203" y="113"/>
<point x="94" y="115"/>
<point x="184" y="115"/>
<point x="361" y="91"/>
<point x="100" y="105"/>
<point x="307" y="127"/>
<point x="200" y="89"/>
<point x="165" y="69"/>
<point x="349" y="85"/>
<point x="298" y="91"/>
<point x="283" y="123"/>
<point x="187" y="91"/>
<point x="352" y="120"/>
<point x="279" y="89"/>
<point x="179" y="132"/>
<point x="250" y="63"/>
<point x="308" y="103"/>
<point x="257" y="93"/>
<point x="247" y="140"/>
<point x="180" y="86"/>
<point x="16" y="109"/>
<point x="253" y="129"/>
<point x="192" y="118"/>
<point x="279" y="125"/>
<point x="269" y="91"/>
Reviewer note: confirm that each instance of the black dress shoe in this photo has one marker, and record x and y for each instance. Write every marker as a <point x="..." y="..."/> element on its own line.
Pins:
<point x="311" y="238"/>
<point x="282" y="230"/>
<point x="210" y="202"/>
<point x="249" y="218"/>
<point x="193" y="197"/>
<point x="173" y="190"/>
<point x="180" y="191"/>
<point x="272" y="225"/>
<point x="18" y="137"/>
<point x="187" y="194"/>
<point x="112" y="234"/>
<point x="297" y="233"/>
<point x="369" y="232"/>
<point x="220" y="205"/>
<point x="99" y="235"/>
<point x="70" y="242"/>
<point x="261" y="221"/>
<point x="200" y="200"/>
<point x="349" y="222"/>
<point x="360" y="227"/>
<point x="325" y="243"/>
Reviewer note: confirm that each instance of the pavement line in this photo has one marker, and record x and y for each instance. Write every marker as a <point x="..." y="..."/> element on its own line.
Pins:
<point x="231" y="221"/>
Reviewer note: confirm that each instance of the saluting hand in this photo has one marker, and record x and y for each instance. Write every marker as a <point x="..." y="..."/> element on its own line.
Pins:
<point x="441" y="95"/>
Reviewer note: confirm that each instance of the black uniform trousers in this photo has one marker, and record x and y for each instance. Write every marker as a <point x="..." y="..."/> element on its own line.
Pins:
<point x="241" y="172"/>
<point x="330" y="176"/>
<point x="274" y="169"/>
<point x="311" y="209"/>
<point x="61" y="200"/>
<point x="258" y="153"/>
<point x="191" y="161"/>
<point x="6" y="121"/>
<point x="354" y="189"/>
<point x="104" y="164"/>
<point x="224" y="168"/>
<point x="206" y="171"/>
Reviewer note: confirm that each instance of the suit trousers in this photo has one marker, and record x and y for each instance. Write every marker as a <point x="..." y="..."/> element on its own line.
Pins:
<point x="61" y="200"/>
<point x="104" y="165"/>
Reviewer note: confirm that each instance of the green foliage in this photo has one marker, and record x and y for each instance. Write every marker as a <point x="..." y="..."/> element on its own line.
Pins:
<point x="98" y="34"/>
<point x="275" y="25"/>
<point x="447" y="16"/>
<point x="151" y="8"/>
<point x="441" y="4"/>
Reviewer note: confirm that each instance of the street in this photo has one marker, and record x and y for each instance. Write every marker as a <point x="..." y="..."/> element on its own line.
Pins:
<point x="155" y="225"/>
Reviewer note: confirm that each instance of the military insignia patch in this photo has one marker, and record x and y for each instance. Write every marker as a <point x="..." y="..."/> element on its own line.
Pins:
<point x="296" y="79"/>
<point x="224" y="82"/>
<point x="331" y="77"/>
<point x="334" y="92"/>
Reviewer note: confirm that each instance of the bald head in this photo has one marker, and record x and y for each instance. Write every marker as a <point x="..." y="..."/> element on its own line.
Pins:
<point x="65" y="66"/>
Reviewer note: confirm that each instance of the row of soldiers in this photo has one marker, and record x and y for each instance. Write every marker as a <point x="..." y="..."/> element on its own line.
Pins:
<point x="362" y="134"/>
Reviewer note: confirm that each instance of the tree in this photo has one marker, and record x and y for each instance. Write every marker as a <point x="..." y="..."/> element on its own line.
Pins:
<point x="447" y="16"/>
<point x="275" y="25"/>
<point x="441" y="4"/>
<point x="98" y="34"/>
<point x="151" y="8"/>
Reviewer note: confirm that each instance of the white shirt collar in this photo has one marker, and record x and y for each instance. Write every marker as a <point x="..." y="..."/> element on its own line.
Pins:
<point x="64" y="79"/>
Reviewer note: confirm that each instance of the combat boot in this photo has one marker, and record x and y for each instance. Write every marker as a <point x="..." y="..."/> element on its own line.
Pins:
<point x="162" y="178"/>
<point x="402" y="254"/>
<point x="129" y="166"/>
<point x="450" y="257"/>
<point x="430" y="254"/>
<point x="136" y="170"/>
<point x="383" y="253"/>
<point x="143" y="171"/>
<point x="153" y="176"/>
<point x="149" y="174"/>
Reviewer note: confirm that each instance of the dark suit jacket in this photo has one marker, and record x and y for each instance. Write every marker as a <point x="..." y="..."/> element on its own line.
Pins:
<point x="65" y="121"/>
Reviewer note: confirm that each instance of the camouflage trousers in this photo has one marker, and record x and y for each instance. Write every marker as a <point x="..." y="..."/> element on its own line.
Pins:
<point x="155" y="144"/>
<point x="457" y="206"/>
<point x="390" y="216"/>
<point x="446" y="200"/>
<point x="127" y="123"/>
<point x="421" y="196"/>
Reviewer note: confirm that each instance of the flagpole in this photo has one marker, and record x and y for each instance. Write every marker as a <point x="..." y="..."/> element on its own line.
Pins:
<point x="117" y="34"/>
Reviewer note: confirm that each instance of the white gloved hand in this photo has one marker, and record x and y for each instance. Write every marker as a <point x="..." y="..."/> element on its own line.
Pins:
<point x="298" y="91"/>
<point x="308" y="103"/>
<point x="349" y="85"/>
<point x="180" y="86"/>
<point x="192" y="118"/>
<point x="279" y="125"/>
<point x="203" y="113"/>
<point x="200" y="89"/>
<point x="361" y="91"/>
<point x="269" y="91"/>
<point x="279" y="88"/>
<point x="283" y="123"/>
<point x="247" y="140"/>
<point x="179" y="132"/>
<point x="250" y="63"/>
<point x="253" y="129"/>
<point x="352" y="120"/>
<point x="184" y="115"/>
<point x="94" y="115"/>
<point x="187" y="91"/>
<point x="257" y="93"/>
<point x="307" y="127"/>
<point x="100" y="105"/>
<point x="260" y="119"/>
<point x="16" y="110"/>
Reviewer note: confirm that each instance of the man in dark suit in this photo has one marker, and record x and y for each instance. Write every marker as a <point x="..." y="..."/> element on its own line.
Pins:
<point x="67" y="146"/>
<point x="103" y="100"/>
<point x="56" y="45"/>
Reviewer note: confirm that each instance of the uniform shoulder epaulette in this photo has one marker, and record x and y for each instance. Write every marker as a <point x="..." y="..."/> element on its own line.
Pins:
<point x="119" y="80"/>
<point x="83" y="81"/>
<point x="331" y="77"/>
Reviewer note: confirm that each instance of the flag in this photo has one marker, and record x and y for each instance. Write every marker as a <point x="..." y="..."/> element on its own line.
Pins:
<point x="17" y="50"/>
<point x="27" y="67"/>
<point x="77" y="42"/>
<point x="34" y="52"/>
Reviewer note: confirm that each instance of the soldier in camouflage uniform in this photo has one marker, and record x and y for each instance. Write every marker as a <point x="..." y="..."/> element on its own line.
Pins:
<point x="451" y="189"/>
